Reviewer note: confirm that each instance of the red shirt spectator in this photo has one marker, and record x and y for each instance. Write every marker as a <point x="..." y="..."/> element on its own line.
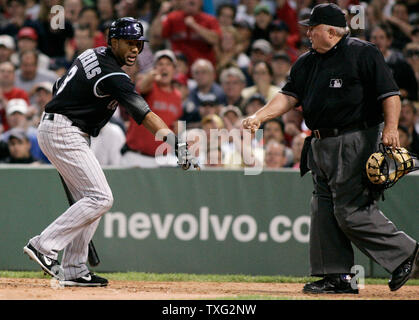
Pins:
<point x="168" y="106"/>
<point x="287" y="14"/>
<point x="8" y="91"/>
<point x="187" y="40"/>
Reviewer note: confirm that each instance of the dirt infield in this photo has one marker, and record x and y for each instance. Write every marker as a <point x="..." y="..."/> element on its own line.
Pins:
<point x="43" y="289"/>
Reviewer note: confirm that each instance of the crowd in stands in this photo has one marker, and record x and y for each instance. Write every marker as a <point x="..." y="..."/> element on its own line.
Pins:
<point x="208" y="64"/>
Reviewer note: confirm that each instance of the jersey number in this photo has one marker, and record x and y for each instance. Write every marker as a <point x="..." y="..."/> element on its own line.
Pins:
<point x="70" y="75"/>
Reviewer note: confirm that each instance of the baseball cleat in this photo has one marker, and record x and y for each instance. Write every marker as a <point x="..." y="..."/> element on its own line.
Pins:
<point x="50" y="266"/>
<point x="331" y="284"/>
<point x="89" y="280"/>
<point x="405" y="271"/>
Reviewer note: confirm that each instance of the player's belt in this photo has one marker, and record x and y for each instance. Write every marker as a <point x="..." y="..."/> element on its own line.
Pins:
<point x="48" y="116"/>
<point x="334" y="132"/>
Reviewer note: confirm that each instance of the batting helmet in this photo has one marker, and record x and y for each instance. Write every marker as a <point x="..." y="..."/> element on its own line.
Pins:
<point x="126" y="28"/>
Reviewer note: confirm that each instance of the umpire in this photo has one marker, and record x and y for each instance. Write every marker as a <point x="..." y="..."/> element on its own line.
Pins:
<point x="346" y="92"/>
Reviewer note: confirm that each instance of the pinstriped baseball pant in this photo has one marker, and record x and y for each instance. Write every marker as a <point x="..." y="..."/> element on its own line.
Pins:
<point x="67" y="147"/>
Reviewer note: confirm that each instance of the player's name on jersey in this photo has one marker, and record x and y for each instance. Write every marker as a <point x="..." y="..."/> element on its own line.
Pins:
<point x="90" y="63"/>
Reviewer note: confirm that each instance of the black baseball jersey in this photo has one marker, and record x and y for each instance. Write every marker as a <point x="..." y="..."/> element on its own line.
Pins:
<point x="342" y="87"/>
<point x="90" y="91"/>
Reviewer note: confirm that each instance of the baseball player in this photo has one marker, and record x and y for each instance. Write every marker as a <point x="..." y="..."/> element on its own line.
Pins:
<point x="84" y="100"/>
<point x="349" y="99"/>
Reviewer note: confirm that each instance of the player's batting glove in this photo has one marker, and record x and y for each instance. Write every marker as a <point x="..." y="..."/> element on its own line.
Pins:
<point x="181" y="150"/>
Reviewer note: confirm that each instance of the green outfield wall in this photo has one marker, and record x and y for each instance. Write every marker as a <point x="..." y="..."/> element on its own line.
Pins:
<point x="169" y="221"/>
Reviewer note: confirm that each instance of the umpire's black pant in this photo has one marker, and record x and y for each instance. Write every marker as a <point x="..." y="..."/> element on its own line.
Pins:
<point x="343" y="210"/>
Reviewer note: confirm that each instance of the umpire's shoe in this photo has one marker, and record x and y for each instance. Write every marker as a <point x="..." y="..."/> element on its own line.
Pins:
<point x="403" y="272"/>
<point x="50" y="266"/>
<point x="89" y="280"/>
<point x="337" y="284"/>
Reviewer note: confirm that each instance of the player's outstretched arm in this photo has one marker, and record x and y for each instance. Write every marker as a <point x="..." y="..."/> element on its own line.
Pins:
<point x="276" y="107"/>
<point x="156" y="125"/>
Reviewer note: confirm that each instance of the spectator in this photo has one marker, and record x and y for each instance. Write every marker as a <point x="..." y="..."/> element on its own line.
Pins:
<point x="404" y="137"/>
<point x="399" y="23"/>
<point x="89" y="17"/>
<point x="261" y="50"/>
<point x="52" y="40"/>
<point x="229" y="52"/>
<point x="165" y="101"/>
<point x="16" y="117"/>
<point x="274" y="130"/>
<point x="230" y="115"/>
<point x="42" y="94"/>
<point x="408" y="119"/>
<point x="182" y="65"/>
<point x="32" y="9"/>
<point x="106" y="12"/>
<point x="180" y="82"/>
<point x="226" y="13"/>
<point x="8" y="90"/>
<point x="245" y="35"/>
<point x="27" y="40"/>
<point x="262" y="75"/>
<point x="72" y="10"/>
<point x="281" y="65"/>
<point x="190" y="31"/>
<point x="403" y="74"/>
<point x="263" y="19"/>
<point x="233" y="82"/>
<point x="29" y="74"/>
<point x="206" y="88"/>
<point x="278" y="36"/>
<point x="297" y="148"/>
<point x="209" y="106"/>
<point x="211" y="125"/>
<point x="286" y="13"/>
<point x="293" y="123"/>
<point x="411" y="53"/>
<point x="254" y="103"/>
<point x="19" y="147"/>
<point x="7" y="47"/>
<point x="17" y="18"/>
<point x="246" y="10"/>
<point x="83" y="40"/>
<point x="108" y="144"/>
<point x="275" y="157"/>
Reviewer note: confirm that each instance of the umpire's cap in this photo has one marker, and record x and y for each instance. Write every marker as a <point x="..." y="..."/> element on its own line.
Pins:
<point x="126" y="28"/>
<point x="326" y="13"/>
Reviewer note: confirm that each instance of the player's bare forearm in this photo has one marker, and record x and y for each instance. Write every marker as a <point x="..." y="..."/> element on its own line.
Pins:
<point x="156" y="125"/>
<point x="276" y="107"/>
<point x="391" y="110"/>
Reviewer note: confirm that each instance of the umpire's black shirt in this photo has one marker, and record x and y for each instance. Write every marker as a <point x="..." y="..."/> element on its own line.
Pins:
<point x="342" y="87"/>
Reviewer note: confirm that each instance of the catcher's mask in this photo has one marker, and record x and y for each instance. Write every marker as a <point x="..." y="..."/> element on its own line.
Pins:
<point x="386" y="166"/>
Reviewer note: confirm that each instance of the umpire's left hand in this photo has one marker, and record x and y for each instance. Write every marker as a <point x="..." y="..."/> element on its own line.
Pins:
<point x="390" y="137"/>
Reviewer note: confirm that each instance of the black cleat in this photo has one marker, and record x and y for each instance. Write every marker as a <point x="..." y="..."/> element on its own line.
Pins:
<point x="405" y="271"/>
<point x="50" y="266"/>
<point x="89" y="280"/>
<point x="332" y="284"/>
